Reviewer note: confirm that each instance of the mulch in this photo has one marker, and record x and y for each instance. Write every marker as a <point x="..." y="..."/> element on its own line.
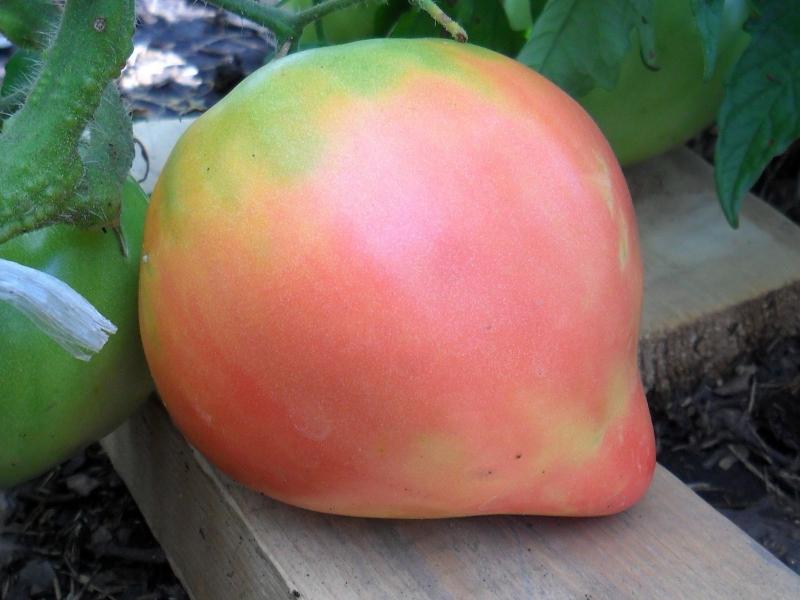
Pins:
<point x="736" y="442"/>
<point x="76" y="533"/>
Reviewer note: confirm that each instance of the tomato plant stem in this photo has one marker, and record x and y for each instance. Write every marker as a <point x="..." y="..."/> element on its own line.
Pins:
<point x="317" y="11"/>
<point x="27" y="22"/>
<point x="287" y="24"/>
<point x="280" y="21"/>
<point x="10" y="103"/>
<point x="40" y="167"/>
<point x="437" y="14"/>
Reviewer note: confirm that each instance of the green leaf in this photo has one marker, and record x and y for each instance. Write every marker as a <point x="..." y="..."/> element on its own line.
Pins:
<point x="522" y="13"/>
<point x="708" y="18"/>
<point x="485" y="21"/>
<point x="518" y="13"/>
<point x="579" y="44"/>
<point x="537" y="6"/>
<point x="760" y="112"/>
<point x="414" y="24"/>
<point x="647" y="34"/>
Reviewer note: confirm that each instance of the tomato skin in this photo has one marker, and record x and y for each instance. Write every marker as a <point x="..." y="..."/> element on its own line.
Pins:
<point x="649" y="112"/>
<point x="53" y="404"/>
<point x="413" y="293"/>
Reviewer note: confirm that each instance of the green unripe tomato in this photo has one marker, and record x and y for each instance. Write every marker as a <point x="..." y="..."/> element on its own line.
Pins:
<point x="51" y="404"/>
<point x="649" y="112"/>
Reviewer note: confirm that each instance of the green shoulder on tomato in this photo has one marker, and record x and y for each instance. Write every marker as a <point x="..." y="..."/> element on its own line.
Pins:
<point x="51" y="404"/>
<point x="649" y="112"/>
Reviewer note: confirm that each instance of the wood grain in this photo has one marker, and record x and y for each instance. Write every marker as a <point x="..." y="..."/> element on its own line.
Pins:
<point x="710" y="292"/>
<point x="228" y="542"/>
<point x="156" y="140"/>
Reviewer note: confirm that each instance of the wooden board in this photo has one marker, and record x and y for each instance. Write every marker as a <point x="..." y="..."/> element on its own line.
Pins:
<point x="711" y="292"/>
<point x="156" y="140"/>
<point x="227" y="542"/>
<point x="705" y="285"/>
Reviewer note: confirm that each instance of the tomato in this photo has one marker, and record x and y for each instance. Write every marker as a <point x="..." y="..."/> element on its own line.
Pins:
<point x="649" y="112"/>
<point x="413" y="293"/>
<point x="53" y="404"/>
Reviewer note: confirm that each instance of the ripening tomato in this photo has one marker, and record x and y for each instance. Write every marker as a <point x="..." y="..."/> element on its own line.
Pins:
<point x="401" y="278"/>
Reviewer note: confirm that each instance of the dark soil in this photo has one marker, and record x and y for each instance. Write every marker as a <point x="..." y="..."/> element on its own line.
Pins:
<point x="187" y="56"/>
<point x="736" y="442"/>
<point x="76" y="532"/>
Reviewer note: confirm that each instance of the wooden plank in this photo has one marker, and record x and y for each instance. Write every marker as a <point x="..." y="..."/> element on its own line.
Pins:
<point x="156" y="139"/>
<point x="711" y="292"/>
<point x="227" y="542"/>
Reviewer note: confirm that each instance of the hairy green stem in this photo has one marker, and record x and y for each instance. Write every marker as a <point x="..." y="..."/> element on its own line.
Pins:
<point x="284" y="23"/>
<point x="40" y="167"/>
<point x="27" y="23"/>
<point x="289" y="25"/>
<point x="10" y="103"/>
<point x="107" y="154"/>
<point x="320" y="30"/>
<point x="437" y="14"/>
<point x="317" y="11"/>
<point x="280" y="21"/>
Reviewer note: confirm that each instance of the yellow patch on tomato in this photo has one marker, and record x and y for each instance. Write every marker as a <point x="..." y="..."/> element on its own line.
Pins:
<point x="602" y="177"/>
<point x="605" y="185"/>
<point x="435" y="451"/>
<point x="623" y="245"/>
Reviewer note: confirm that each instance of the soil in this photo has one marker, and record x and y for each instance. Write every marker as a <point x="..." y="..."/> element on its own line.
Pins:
<point x="76" y="532"/>
<point x="736" y="442"/>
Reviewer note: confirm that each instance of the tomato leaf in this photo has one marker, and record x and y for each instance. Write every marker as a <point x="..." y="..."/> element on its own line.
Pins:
<point x="415" y="23"/>
<point x="579" y="44"/>
<point x="708" y="18"/>
<point x="522" y="13"/>
<point x="518" y="13"/>
<point x="485" y="21"/>
<point x="760" y="112"/>
<point x="647" y="33"/>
